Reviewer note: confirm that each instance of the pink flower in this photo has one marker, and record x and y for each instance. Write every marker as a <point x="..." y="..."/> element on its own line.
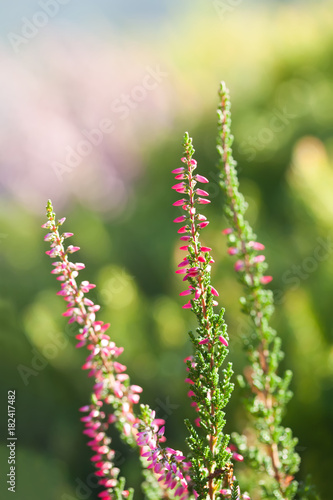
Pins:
<point x="232" y="250"/>
<point x="239" y="264"/>
<point x="204" y="341"/>
<point x="223" y="340"/>
<point x="201" y="178"/>
<point x="178" y="170"/>
<point x="228" y="230"/>
<point x="202" y="201"/>
<point x="201" y="192"/>
<point x="237" y="457"/>
<point x="265" y="279"/>
<point x="182" y="218"/>
<point x="256" y="245"/>
<point x="178" y="186"/>
<point x="259" y="258"/>
<point x="179" y="202"/>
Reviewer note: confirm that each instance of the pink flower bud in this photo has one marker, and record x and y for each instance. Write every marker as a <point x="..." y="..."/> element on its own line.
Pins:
<point x="205" y="249"/>
<point x="72" y="249"/>
<point x="180" y="185"/>
<point x="201" y="192"/>
<point x="182" y="218"/>
<point x="256" y="245"/>
<point x="239" y="265"/>
<point x="238" y="457"/>
<point x="178" y="170"/>
<point x="189" y="381"/>
<point x="202" y="201"/>
<point x="201" y="178"/>
<point x="232" y="250"/>
<point x="183" y="229"/>
<point x="204" y="341"/>
<point x="188" y="305"/>
<point x="223" y="340"/>
<point x="179" y="202"/>
<point x="259" y="258"/>
<point x="265" y="279"/>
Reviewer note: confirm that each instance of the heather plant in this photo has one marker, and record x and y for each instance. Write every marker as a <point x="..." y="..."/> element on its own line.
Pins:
<point x="206" y="469"/>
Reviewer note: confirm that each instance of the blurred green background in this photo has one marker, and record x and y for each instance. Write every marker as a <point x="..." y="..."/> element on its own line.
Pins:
<point x="146" y="73"/>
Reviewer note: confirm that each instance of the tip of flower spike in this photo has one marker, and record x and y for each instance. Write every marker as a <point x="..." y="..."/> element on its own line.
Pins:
<point x="49" y="207"/>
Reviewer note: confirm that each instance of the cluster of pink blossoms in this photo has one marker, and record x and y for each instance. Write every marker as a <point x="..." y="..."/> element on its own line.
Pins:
<point x="169" y="465"/>
<point x="112" y="385"/>
<point x="198" y="261"/>
<point x="246" y="263"/>
<point x="192" y="267"/>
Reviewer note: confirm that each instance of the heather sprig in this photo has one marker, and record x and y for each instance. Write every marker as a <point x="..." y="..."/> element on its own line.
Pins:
<point x="210" y="389"/>
<point x="114" y="397"/>
<point x="268" y="391"/>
